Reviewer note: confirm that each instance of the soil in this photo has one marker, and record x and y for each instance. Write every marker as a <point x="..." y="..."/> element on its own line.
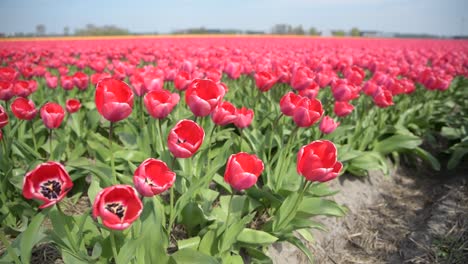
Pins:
<point x="411" y="216"/>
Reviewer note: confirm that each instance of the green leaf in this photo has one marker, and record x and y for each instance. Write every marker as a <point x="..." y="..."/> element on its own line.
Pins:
<point x="258" y="237"/>
<point x="189" y="256"/>
<point x="131" y="155"/>
<point x="127" y="251"/>
<point x="286" y="212"/>
<point x="69" y="258"/>
<point x="321" y="190"/>
<point x="209" y="243"/>
<point x="460" y="150"/>
<point x="258" y="257"/>
<point x="306" y="234"/>
<point x="311" y="206"/>
<point x="298" y="243"/>
<point x="153" y="235"/>
<point x="427" y="157"/>
<point x="233" y="259"/>
<point x="231" y="233"/>
<point x="30" y="237"/>
<point x="369" y="160"/>
<point x="192" y="216"/>
<point x="93" y="189"/>
<point x="192" y="243"/>
<point x="397" y="143"/>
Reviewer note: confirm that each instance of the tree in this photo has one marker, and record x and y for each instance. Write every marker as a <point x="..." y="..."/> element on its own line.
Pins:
<point x="66" y="31"/>
<point x="355" y="32"/>
<point x="338" y="33"/>
<point x="40" y="30"/>
<point x="314" y="32"/>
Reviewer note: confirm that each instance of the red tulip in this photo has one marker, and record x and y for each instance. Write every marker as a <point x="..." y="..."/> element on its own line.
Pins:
<point x="288" y="103"/>
<point x="344" y="91"/>
<point x="182" y="80"/>
<point x="153" y="177"/>
<point x="114" y="99"/>
<point x="153" y="81"/>
<point x="310" y="92"/>
<point x="8" y="74"/>
<point x="202" y="96"/>
<point x="160" y="103"/>
<point x="21" y="89"/>
<point x="51" y="81"/>
<point x="52" y="115"/>
<point x="233" y="70"/>
<point x="23" y="108"/>
<point x="383" y="98"/>
<point x="244" y="117"/>
<point x="214" y="74"/>
<point x="324" y="78"/>
<point x="3" y="117"/>
<point x="185" y="138"/>
<point x="370" y="88"/>
<point x="32" y="86"/>
<point x="49" y="182"/>
<point x="343" y="108"/>
<point x="302" y="78"/>
<point x="328" y="125"/>
<point x="224" y="114"/>
<point x="317" y="161"/>
<point x="307" y="112"/>
<point x="67" y="82"/>
<point x="80" y="80"/>
<point x="264" y="81"/>
<point x="138" y="84"/>
<point x="98" y="65"/>
<point x="97" y="77"/>
<point x="118" y="206"/>
<point x="63" y="70"/>
<point x="72" y="105"/>
<point x="354" y="75"/>
<point x="243" y="170"/>
<point x="6" y="90"/>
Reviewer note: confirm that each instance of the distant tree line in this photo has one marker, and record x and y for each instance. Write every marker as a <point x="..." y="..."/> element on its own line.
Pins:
<point x="106" y="30"/>
<point x="287" y="29"/>
<point x="278" y="29"/>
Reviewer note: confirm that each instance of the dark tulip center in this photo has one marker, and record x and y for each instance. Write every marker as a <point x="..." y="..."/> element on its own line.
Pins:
<point x="181" y="141"/>
<point x="149" y="182"/>
<point x="116" y="208"/>
<point x="51" y="189"/>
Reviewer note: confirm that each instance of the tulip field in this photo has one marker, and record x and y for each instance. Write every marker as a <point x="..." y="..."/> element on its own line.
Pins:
<point x="210" y="149"/>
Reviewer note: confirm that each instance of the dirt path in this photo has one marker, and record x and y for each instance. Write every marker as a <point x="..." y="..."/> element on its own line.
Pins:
<point x="409" y="217"/>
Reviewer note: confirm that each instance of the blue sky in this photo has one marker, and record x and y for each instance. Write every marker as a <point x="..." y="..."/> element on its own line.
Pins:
<point x="441" y="17"/>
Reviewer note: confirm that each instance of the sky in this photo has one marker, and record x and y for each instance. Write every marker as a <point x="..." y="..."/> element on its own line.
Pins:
<point x="439" y="17"/>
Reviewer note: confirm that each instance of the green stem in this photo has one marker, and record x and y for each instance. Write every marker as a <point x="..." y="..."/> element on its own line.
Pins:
<point x="171" y="205"/>
<point x="114" y="175"/>
<point x="10" y="251"/>
<point x="210" y="141"/>
<point x="33" y="136"/>
<point x="160" y="136"/>
<point x="4" y="146"/>
<point x="142" y="114"/>
<point x="113" y="245"/>
<point x="273" y="129"/>
<point x="50" y="144"/>
<point x="286" y="151"/>
<point x="229" y="209"/>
